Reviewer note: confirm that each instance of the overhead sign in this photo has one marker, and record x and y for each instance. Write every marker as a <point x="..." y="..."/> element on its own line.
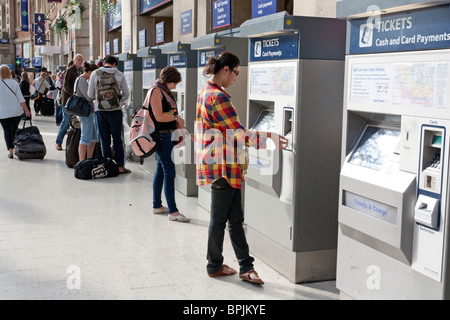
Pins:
<point x="274" y="48"/>
<point x="160" y="27"/>
<point x="147" y="5"/>
<point x="24" y="15"/>
<point x="37" y="62"/>
<point x="39" y="18"/>
<point x="39" y="29"/>
<point x="263" y="7"/>
<point x="39" y="40"/>
<point x="26" y="63"/>
<point x="221" y="14"/>
<point x="416" y="30"/>
<point x="115" y="19"/>
<point x="186" y="22"/>
<point x="142" y="38"/>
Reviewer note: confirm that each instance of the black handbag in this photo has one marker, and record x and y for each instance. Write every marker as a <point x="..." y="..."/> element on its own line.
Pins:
<point x="77" y="105"/>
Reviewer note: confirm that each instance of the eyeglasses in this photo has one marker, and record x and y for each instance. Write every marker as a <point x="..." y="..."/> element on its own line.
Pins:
<point x="235" y="72"/>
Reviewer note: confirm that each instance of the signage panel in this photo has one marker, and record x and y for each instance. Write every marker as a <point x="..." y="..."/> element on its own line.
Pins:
<point x="275" y="48"/>
<point x="221" y="14"/>
<point x="423" y="29"/>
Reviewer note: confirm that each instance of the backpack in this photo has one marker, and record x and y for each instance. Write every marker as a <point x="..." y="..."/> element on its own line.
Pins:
<point x="107" y="91"/>
<point x="144" y="138"/>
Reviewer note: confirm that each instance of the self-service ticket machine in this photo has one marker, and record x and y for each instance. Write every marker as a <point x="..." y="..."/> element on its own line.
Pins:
<point x="132" y="69"/>
<point x="295" y="82"/>
<point x="153" y="61"/>
<point x="211" y="45"/>
<point x="393" y="196"/>
<point x="185" y="60"/>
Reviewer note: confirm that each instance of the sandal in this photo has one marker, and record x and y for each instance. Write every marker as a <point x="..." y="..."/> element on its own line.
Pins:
<point x="224" y="271"/>
<point x="125" y="170"/>
<point x="251" y="276"/>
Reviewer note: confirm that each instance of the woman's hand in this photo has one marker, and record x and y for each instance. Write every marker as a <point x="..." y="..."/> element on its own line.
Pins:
<point x="280" y="141"/>
<point x="180" y="122"/>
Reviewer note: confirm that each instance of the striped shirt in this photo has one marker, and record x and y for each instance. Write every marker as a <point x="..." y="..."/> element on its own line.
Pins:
<point x="220" y="138"/>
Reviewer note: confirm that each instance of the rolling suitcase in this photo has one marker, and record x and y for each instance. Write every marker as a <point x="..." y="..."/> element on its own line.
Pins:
<point x="28" y="143"/>
<point x="47" y="107"/>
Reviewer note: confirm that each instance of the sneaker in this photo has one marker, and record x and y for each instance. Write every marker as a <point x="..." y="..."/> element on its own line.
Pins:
<point x="179" y="218"/>
<point x="160" y="210"/>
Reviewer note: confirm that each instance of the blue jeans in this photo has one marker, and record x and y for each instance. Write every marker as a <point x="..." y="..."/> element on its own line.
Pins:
<point x="165" y="174"/>
<point x="110" y="125"/>
<point x="88" y="129"/>
<point x="63" y="127"/>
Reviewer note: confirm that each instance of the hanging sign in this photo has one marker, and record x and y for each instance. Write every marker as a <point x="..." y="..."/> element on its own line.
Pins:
<point x="221" y="14"/>
<point x="24" y="15"/>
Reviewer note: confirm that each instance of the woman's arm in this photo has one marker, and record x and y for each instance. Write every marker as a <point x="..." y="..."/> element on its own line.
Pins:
<point x="156" y="105"/>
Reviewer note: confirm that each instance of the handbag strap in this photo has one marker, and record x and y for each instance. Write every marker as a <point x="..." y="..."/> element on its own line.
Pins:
<point x="11" y="90"/>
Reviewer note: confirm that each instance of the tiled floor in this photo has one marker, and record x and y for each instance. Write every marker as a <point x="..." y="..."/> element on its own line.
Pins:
<point x="63" y="238"/>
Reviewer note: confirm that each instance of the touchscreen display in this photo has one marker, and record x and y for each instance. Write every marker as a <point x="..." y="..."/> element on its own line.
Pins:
<point x="376" y="148"/>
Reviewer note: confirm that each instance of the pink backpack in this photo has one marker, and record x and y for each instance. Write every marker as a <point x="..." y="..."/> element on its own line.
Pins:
<point x="144" y="139"/>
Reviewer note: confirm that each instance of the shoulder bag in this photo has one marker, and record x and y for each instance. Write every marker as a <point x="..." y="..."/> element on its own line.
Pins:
<point x="37" y="95"/>
<point x="76" y="105"/>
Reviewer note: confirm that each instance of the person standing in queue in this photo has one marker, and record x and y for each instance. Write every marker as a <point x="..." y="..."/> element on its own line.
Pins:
<point x="165" y="114"/>
<point x="70" y="76"/>
<point x="217" y="165"/>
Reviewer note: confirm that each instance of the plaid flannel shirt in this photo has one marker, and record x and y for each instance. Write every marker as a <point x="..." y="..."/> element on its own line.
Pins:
<point x="220" y="137"/>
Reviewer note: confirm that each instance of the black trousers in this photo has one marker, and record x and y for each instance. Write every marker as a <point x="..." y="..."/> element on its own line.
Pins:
<point x="226" y="206"/>
<point x="10" y="126"/>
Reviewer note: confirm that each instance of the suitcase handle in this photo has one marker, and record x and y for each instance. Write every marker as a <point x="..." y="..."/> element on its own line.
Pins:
<point x="25" y="122"/>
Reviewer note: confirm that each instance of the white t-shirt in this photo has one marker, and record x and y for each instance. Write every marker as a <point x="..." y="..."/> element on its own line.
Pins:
<point x="10" y="103"/>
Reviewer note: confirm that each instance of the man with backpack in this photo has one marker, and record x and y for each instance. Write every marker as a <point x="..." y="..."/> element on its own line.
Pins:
<point x="109" y="88"/>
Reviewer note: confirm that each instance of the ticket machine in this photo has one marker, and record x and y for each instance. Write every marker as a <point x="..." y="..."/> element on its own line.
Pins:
<point x="211" y="45"/>
<point x="132" y="69"/>
<point x="295" y="82"/>
<point x="185" y="60"/>
<point x="153" y="61"/>
<point x="393" y="193"/>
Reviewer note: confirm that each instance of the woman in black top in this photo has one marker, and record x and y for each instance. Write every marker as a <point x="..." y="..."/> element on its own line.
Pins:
<point x="25" y="88"/>
<point x="164" y="109"/>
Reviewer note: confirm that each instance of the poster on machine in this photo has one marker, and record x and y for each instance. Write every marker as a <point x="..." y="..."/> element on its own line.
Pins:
<point x="407" y="84"/>
<point x="277" y="79"/>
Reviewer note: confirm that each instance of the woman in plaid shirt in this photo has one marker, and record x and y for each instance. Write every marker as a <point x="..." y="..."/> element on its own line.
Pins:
<point x="219" y="134"/>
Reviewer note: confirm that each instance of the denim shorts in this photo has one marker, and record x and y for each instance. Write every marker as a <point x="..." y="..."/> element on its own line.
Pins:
<point x="88" y="129"/>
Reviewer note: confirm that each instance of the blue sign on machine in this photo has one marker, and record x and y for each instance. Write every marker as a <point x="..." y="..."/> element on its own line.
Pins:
<point x="221" y="13"/>
<point x="275" y="48"/>
<point x="422" y="29"/>
<point x="204" y="55"/>
<point x="178" y="60"/>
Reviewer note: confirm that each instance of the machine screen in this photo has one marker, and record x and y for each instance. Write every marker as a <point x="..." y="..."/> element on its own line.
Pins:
<point x="265" y="121"/>
<point x="376" y="148"/>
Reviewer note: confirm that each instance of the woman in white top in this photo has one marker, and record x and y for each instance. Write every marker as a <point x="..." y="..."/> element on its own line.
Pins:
<point x="41" y="85"/>
<point x="12" y="106"/>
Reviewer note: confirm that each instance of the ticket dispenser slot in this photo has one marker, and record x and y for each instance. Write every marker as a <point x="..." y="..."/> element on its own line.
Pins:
<point x="427" y="209"/>
<point x="288" y="118"/>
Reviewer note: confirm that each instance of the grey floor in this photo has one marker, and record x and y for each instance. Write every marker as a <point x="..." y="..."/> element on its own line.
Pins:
<point x="64" y="238"/>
